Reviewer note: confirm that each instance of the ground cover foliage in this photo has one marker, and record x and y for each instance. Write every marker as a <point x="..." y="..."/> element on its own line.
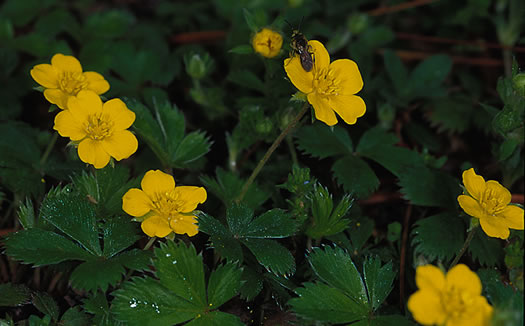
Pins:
<point x="333" y="227"/>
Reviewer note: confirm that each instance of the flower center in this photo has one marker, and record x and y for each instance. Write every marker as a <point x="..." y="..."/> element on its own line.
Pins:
<point x="325" y="82"/>
<point x="72" y="82"/>
<point x="99" y="126"/>
<point x="456" y="302"/>
<point x="491" y="202"/>
<point x="167" y="205"/>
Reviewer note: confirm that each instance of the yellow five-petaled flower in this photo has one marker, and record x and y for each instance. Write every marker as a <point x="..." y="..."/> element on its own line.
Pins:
<point x="451" y="300"/>
<point x="99" y="129"/>
<point x="64" y="78"/>
<point x="162" y="207"/>
<point x="267" y="43"/>
<point x="330" y="87"/>
<point x="489" y="201"/>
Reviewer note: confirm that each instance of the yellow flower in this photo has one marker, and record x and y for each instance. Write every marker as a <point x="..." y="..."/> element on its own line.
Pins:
<point x="164" y="207"/>
<point x="451" y="300"/>
<point x="268" y="43"/>
<point x="98" y="128"/>
<point x="329" y="86"/>
<point x="489" y="201"/>
<point x="64" y="78"/>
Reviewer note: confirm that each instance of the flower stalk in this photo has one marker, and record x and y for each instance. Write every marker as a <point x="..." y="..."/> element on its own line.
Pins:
<point x="270" y="151"/>
<point x="469" y="238"/>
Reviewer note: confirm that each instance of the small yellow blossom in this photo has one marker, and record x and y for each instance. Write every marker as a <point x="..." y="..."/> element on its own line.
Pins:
<point x="268" y="43"/>
<point x="99" y="129"/>
<point x="163" y="207"/>
<point x="329" y="86"/>
<point x="489" y="201"/>
<point x="64" y="78"/>
<point x="451" y="300"/>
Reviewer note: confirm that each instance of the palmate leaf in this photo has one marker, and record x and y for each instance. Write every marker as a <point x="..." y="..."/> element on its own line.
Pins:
<point x="46" y="304"/>
<point x="195" y="145"/>
<point x="487" y="251"/>
<point x="355" y="176"/>
<point x="75" y="317"/>
<point x="119" y="233"/>
<point x="255" y="234"/>
<point x="216" y="318"/>
<point x="97" y="273"/>
<point x="388" y="320"/>
<point x="179" y="295"/>
<point x="14" y="294"/>
<point x="439" y="236"/>
<point x="378" y="280"/>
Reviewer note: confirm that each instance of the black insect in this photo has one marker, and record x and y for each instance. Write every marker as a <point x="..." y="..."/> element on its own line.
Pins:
<point x="300" y="46"/>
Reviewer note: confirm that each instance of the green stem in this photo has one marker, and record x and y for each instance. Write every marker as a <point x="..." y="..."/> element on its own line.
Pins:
<point x="270" y="151"/>
<point x="470" y="235"/>
<point x="49" y="147"/>
<point x="289" y="141"/>
<point x="150" y="242"/>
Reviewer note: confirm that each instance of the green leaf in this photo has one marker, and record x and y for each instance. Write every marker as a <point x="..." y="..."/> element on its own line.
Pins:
<point x="427" y="77"/>
<point x="238" y="218"/>
<point x="215" y="318"/>
<point x="73" y="215"/>
<point x="74" y="317"/>
<point x="96" y="274"/>
<point x="275" y="223"/>
<point x="110" y="185"/>
<point x="388" y="320"/>
<point x="323" y="303"/>
<point x="221" y="238"/>
<point x="242" y="49"/>
<point x="135" y="259"/>
<point x="246" y="78"/>
<point x="119" y="233"/>
<point x="322" y="141"/>
<point x="499" y="294"/>
<point x="42" y="247"/>
<point x="45" y="304"/>
<point x="192" y="147"/>
<point x="14" y="294"/>
<point x="272" y="255"/>
<point x="335" y="267"/>
<point x="426" y="187"/>
<point x="355" y="176"/>
<point x="108" y="24"/>
<point x="180" y="270"/>
<point x="224" y="284"/>
<point x="360" y="230"/>
<point x="325" y="220"/>
<point x="378" y="280"/>
<point x="227" y="186"/>
<point x="487" y="251"/>
<point x="252" y="284"/>
<point x="26" y="214"/>
<point x="397" y="72"/>
<point x="439" y="236"/>
<point x="144" y="301"/>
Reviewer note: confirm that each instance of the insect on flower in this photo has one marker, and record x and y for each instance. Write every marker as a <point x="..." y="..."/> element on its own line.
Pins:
<point x="299" y="45"/>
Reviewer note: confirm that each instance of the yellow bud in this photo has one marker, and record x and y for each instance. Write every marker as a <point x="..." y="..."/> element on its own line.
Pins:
<point x="267" y="43"/>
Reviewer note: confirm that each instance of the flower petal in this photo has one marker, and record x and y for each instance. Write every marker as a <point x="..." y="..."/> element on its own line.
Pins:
<point x="499" y="192"/>
<point x="66" y="63"/>
<point x="184" y="224"/>
<point x="348" y="76"/>
<point x="191" y="197"/>
<point x="322" y="109"/>
<point x="474" y="183"/>
<point x="119" y="113"/>
<point x="320" y="55"/>
<point x="495" y="227"/>
<point x="68" y="126"/>
<point x="96" y="82"/>
<point x="56" y="96"/>
<point x="83" y="105"/>
<point x="431" y="278"/>
<point x="301" y="79"/>
<point x="462" y="278"/>
<point x="136" y="203"/>
<point x="513" y="216"/>
<point x="426" y="308"/>
<point x="122" y="144"/>
<point x="156" y="181"/>
<point x="471" y="206"/>
<point x="45" y="75"/>
<point x="156" y="226"/>
<point x="349" y="107"/>
<point x="91" y="151"/>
